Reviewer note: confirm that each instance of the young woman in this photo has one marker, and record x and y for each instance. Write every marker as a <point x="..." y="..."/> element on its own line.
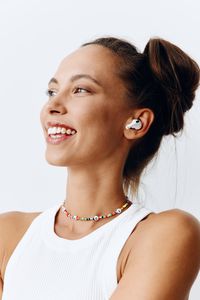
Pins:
<point x="109" y="107"/>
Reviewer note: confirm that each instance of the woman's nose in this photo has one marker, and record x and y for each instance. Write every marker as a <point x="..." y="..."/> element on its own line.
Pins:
<point x="56" y="107"/>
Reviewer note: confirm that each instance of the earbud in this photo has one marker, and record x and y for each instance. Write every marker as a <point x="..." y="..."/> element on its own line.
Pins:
<point x="135" y="124"/>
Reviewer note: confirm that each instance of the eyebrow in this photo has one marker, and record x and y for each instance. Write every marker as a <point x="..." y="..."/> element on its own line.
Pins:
<point x="76" y="77"/>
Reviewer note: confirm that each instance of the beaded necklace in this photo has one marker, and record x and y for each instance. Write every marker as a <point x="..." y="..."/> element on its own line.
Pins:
<point x="95" y="218"/>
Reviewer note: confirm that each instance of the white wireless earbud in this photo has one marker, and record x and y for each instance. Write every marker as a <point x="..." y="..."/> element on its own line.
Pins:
<point x="135" y="124"/>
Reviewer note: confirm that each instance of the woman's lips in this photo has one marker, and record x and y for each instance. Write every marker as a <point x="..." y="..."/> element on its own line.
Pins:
<point x="58" y="140"/>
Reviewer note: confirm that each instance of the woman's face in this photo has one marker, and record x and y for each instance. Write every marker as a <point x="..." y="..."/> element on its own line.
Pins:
<point x="87" y="95"/>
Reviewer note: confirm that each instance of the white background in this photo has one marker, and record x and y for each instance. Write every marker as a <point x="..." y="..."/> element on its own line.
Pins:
<point x="34" y="36"/>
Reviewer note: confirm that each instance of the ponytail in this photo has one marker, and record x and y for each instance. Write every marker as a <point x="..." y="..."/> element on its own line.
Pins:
<point x="178" y="76"/>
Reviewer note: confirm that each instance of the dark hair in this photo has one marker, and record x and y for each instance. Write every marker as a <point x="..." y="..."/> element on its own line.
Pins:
<point x="164" y="79"/>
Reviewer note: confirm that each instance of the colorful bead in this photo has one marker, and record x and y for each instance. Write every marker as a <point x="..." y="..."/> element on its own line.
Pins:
<point x="109" y="215"/>
<point x="95" y="218"/>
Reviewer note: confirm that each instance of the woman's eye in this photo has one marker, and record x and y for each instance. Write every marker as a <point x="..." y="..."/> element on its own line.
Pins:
<point x="80" y="90"/>
<point x="50" y="93"/>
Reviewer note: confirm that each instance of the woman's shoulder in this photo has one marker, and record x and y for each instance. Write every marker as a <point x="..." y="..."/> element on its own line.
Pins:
<point x="177" y="215"/>
<point x="177" y="222"/>
<point x="165" y="245"/>
<point x="174" y="223"/>
<point x="15" y="221"/>
<point x="13" y="225"/>
<point x="172" y="235"/>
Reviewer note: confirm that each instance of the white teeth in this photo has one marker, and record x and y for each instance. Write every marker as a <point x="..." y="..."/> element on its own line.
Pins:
<point x="63" y="130"/>
<point x="54" y="130"/>
<point x="68" y="131"/>
<point x="56" y="136"/>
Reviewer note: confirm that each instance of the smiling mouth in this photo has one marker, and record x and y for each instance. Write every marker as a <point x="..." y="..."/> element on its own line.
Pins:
<point x="58" y="138"/>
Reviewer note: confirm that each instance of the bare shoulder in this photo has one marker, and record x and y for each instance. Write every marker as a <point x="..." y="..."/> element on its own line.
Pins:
<point x="182" y="227"/>
<point x="178" y="218"/>
<point x="164" y="259"/>
<point x="178" y="215"/>
<point x="173" y="232"/>
<point x="13" y="222"/>
<point x="13" y="225"/>
<point x="176" y="223"/>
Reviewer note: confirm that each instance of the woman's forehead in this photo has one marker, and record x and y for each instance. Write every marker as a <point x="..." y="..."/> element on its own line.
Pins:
<point x="95" y="60"/>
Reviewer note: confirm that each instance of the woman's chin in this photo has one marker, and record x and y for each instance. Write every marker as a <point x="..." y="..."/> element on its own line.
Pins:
<point x="55" y="160"/>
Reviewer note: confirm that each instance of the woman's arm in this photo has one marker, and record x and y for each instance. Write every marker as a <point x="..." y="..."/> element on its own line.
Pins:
<point x="164" y="261"/>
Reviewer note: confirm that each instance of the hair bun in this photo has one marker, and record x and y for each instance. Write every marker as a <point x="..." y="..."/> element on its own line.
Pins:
<point x="178" y="76"/>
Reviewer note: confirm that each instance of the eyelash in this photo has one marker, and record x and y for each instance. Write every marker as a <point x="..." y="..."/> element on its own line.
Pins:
<point x="49" y="91"/>
<point x="78" y="87"/>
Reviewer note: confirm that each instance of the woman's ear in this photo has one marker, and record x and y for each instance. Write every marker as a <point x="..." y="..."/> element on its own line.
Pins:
<point x="146" y="117"/>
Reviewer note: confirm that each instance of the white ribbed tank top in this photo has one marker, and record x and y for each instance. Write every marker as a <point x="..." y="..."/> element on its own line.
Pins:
<point x="44" y="266"/>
